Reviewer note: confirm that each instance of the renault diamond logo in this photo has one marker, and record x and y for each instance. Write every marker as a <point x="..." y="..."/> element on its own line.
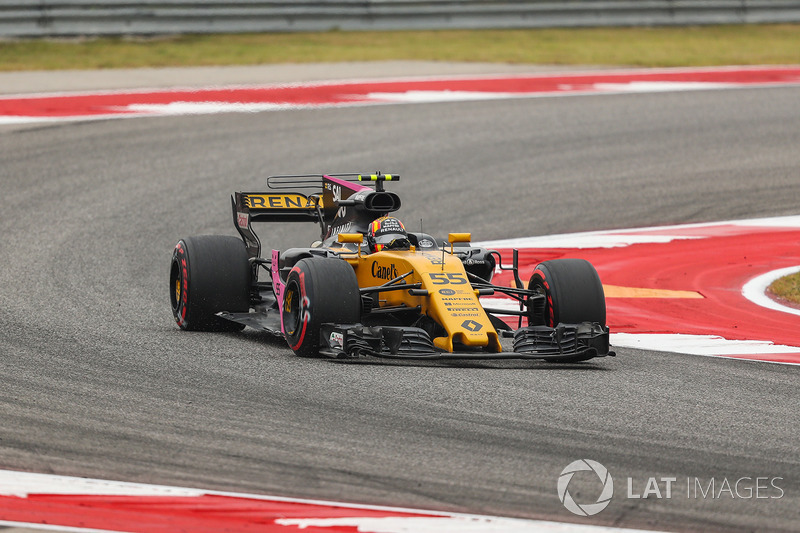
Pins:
<point x="471" y="325"/>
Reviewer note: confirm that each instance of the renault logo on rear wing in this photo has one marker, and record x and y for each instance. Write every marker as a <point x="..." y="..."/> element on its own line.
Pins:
<point x="280" y="201"/>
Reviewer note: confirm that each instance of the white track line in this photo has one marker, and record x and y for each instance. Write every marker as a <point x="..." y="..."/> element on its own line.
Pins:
<point x="755" y="290"/>
<point x="23" y="484"/>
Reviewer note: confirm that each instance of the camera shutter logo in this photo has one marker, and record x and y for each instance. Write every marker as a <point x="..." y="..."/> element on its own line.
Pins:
<point x="587" y="509"/>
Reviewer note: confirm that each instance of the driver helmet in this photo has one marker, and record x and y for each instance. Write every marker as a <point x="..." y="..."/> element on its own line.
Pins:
<point x="387" y="233"/>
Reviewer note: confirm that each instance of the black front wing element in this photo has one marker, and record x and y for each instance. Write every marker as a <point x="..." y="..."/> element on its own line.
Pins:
<point x="586" y="339"/>
<point x="566" y="341"/>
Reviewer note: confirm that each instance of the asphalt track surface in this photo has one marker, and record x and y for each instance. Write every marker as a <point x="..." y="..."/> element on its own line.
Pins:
<point x="98" y="381"/>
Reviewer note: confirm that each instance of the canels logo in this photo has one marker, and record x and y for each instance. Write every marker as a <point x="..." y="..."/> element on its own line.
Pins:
<point x="384" y="272"/>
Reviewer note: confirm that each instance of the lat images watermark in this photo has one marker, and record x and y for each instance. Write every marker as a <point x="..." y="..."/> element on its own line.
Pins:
<point x="667" y="488"/>
<point x="606" y="493"/>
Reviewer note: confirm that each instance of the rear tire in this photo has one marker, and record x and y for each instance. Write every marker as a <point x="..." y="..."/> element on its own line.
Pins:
<point x="573" y="293"/>
<point x="209" y="274"/>
<point x="318" y="291"/>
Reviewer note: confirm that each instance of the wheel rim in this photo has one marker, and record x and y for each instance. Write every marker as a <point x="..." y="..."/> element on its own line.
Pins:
<point x="538" y="309"/>
<point x="175" y="280"/>
<point x="291" y="308"/>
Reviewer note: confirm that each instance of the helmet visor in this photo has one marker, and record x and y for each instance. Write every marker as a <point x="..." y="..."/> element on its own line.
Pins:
<point x="388" y="238"/>
<point x="392" y="241"/>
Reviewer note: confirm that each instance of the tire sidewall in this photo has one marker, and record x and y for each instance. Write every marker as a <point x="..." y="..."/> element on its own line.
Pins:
<point x="297" y="311"/>
<point x="541" y="279"/>
<point x="179" y="294"/>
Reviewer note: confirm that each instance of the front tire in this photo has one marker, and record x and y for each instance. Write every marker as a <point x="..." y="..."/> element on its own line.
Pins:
<point x="209" y="274"/>
<point x="572" y="290"/>
<point x="573" y="294"/>
<point x="318" y="291"/>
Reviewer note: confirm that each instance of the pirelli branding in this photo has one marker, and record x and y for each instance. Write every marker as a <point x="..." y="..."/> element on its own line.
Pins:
<point x="279" y="201"/>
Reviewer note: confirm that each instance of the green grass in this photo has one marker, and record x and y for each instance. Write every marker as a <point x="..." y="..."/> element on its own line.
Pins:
<point x="645" y="47"/>
<point x="787" y="288"/>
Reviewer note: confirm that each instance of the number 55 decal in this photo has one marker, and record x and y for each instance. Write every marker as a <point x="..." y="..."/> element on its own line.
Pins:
<point x="445" y="278"/>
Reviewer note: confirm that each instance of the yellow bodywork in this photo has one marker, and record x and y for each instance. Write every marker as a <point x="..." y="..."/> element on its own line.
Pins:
<point x="451" y="300"/>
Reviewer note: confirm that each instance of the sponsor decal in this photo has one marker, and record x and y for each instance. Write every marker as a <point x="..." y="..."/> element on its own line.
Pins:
<point x="447" y="292"/>
<point x="471" y="325"/>
<point x="279" y="201"/>
<point x="337" y="339"/>
<point x="425" y="243"/>
<point x="435" y="259"/>
<point x="384" y="271"/>
<point x="459" y="305"/>
<point x="337" y="197"/>
<point x="344" y="228"/>
<point x="242" y="219"/>
<point x="389" y="225"/>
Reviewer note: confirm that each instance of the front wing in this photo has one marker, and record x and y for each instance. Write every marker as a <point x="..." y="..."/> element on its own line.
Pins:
<point x="573" y="342"/>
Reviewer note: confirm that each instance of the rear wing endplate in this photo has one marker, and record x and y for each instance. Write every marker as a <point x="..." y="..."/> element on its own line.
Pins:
<point x="271" y="207"/>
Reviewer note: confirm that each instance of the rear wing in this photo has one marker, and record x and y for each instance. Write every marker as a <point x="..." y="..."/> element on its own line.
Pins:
<point x="278" y="207"/>
<point x="334" y="199"/>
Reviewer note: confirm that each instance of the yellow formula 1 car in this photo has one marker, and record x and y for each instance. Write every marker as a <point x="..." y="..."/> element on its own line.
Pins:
<point x="370" y="288"/>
